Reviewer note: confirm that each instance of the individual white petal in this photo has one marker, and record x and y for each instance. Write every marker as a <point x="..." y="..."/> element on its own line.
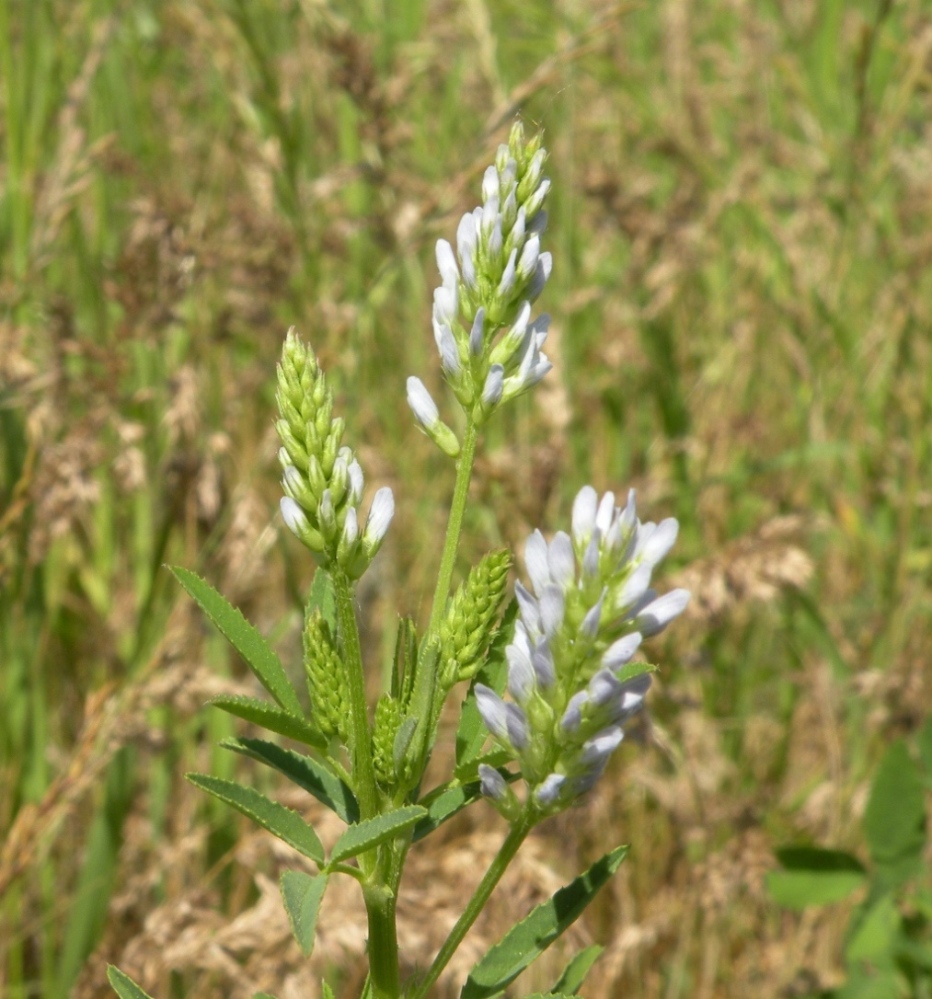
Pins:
<point x="606" y="513"/>
<point x="621" y="651"/>
<point x="477" y="334"/>
<point x="293" y="516"/>
<point x="560" y="560"/>
<point x="422" y="405"/>
<point x="590" y="625"/>
<point x="490" y="188"/>
<point x="529" y="608"/>
<point x="507" y="283"/>
<point x="493" y="246"/>
<point x="449" y="352"/>
<point x="538" y="223"/>
<point x="357" y="482"/>
<point x="598" y="749"/>
<point x="527" y="264"/>
<point x="660" y="542"/>
<point x="590" y="560"/>
<point x="541" y="274"/>
<point x="491" y="782"/>
<point x="548" y="791"/>
<point x="633" y="692"/>
<point x="350" y="528"/>
<point x="660" y="612"/>
<point x="380" y="517"/>
<point x="446" y="264"/>
<point x="494" y="384"/>
<point x="552" y="606"/>
<point x="542" y="661"/>
<point x="636" y="585"/>
<point x="536" y="561"/>
<point x="604" y="687"/>
<point x="492" y="711"/>
<point x="572" y="717"/>
<point x="522" y="679"/>
<point x="584" y="509"/>
<point x="519" y="733"/>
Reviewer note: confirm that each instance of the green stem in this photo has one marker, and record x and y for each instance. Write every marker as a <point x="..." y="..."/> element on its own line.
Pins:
<point x="454" y="525"/>
<point x="476" y="904"/>
<point x="360" y="737"/>
<point x="384" y="979"/>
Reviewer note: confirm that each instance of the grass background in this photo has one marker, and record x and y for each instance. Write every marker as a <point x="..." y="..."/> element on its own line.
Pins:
<point x="741" y="223"/>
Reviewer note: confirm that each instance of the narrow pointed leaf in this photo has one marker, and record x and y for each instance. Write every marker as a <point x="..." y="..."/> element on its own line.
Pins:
<point x="522" y="944"/>
<point x="283" y="822"/>
<point x="266" y="715"/>
<point x="302" y="894"/>
<point x="243" y="637"/>
<point x="575" y="972"/>
<point x="322" y="598"/>
<point x="124" y="986"/>
<point x="305" y="771"/>
<point x="364" y="836"/>
<point x="444" y="802"/>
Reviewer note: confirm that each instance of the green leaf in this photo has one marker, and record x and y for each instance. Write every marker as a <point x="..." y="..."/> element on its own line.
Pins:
<point x="575" y="972"/>
<point x="302" y="894"/>
<point x="894" y="820"/>
<point x="263" y="995"/>
<point x="522" y="944"/>
<point x="364" y="836"/>
<point x="444" y="802"/>
<point x="812" y="876"/>
<point x="924" y="745"/>
<point x="472" y="733"/>
<point x="443" y="805"/>
<point x="283" y="822"/>
<point x="267" y="716"/>
<point x="123" y="985"/>
<point x="875" y="933"/>
<point x="243" y="637"/>
<point x="304" y="771"/>
<point x="322" y="598"/>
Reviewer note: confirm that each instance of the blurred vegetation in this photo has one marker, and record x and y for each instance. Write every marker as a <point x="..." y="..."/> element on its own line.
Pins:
<point x="742" y="298"/>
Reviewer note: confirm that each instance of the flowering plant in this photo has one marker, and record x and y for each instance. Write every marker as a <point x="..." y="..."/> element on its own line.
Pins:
<point x="552" y="679"/>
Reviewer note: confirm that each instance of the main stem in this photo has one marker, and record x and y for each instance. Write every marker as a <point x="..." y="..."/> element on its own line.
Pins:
<point x="454" y="525"/>
<point x="363" y="770"/>
<point x="476" y="904"/>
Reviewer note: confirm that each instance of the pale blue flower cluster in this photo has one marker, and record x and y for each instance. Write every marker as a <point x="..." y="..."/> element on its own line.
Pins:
<point x="570" y="675"/>
<point x="490" y="348"/>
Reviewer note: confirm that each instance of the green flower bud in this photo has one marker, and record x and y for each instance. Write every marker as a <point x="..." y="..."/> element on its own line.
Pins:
<point x="470" y="624"/>
<point x="326" y="680"/>
<point x="387" y="723"/>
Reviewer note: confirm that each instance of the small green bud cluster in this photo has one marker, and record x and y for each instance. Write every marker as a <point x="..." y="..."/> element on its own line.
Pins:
<point x="385" y="731"/>
<point x="488" y="286"/>
<point x="469" y="626"/>
<point x="326" y="680"/>
<point x="570" y="675"/>
<point x="322" y="480"/>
